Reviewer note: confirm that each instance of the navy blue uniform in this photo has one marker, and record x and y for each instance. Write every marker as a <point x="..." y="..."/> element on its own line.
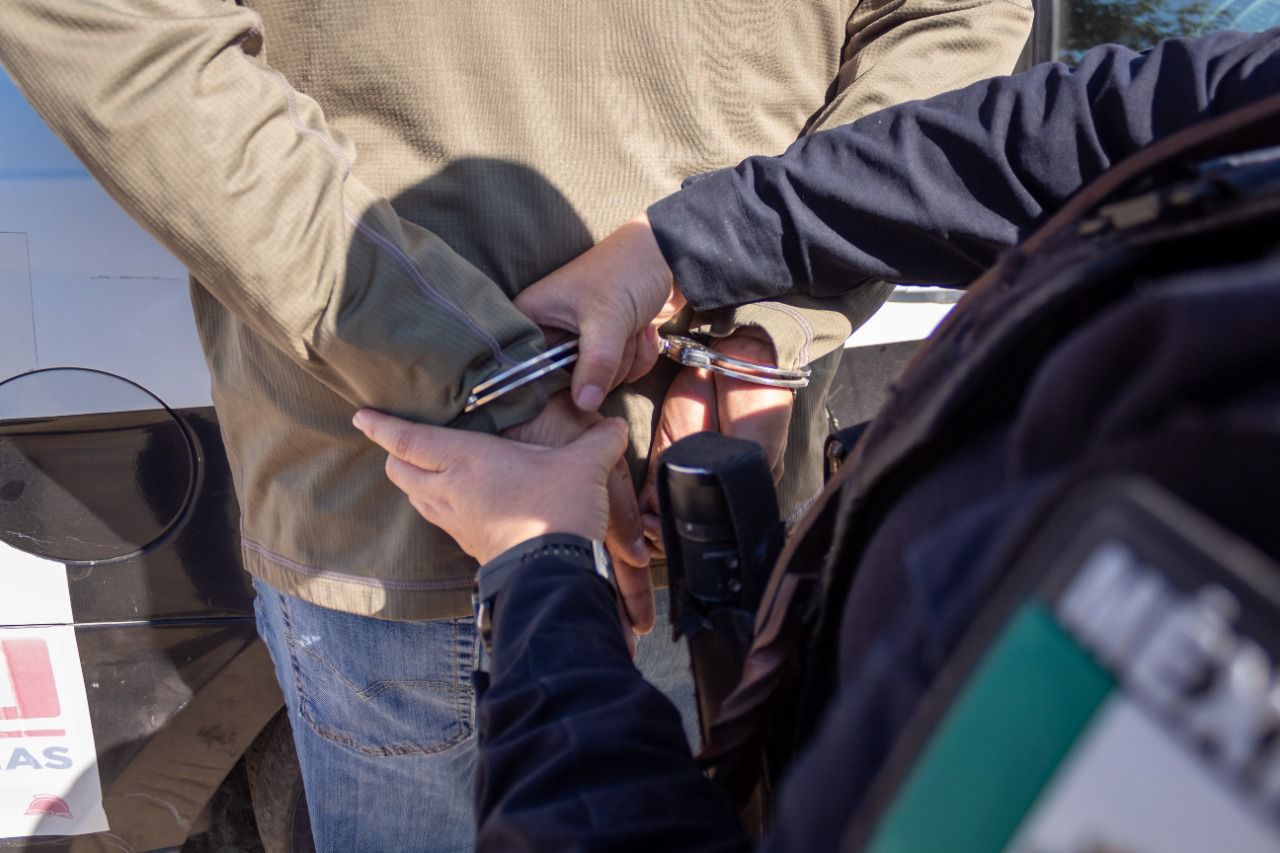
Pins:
<point x="576" y="750"/>
<point x="929" y="192"/>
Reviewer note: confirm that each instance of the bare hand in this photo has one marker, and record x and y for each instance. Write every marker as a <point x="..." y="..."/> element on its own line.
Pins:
<point x="699" y="400"/>
<point x="613" y="296"/>
<point x="490" y="494"/>
<point x="559" y="423"/>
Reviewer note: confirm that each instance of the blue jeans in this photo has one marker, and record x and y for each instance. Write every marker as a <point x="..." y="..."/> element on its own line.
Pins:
<point x="383" y="717"/>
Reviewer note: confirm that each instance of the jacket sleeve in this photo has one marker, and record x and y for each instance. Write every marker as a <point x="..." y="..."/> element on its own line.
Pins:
<point x="894" y="51"/>
<point x="930" y="191"/>
<point x="576" y="750"/>
<point x="171" y="107"/>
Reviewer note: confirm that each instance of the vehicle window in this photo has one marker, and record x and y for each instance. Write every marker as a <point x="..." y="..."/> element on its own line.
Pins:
<point x="1140" y="24"/>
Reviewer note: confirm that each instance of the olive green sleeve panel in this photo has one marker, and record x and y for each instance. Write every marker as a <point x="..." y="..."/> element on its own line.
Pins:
<point x="802" y="328"/>
<point x="171" y="107"/>
<point x="906" y="50"/>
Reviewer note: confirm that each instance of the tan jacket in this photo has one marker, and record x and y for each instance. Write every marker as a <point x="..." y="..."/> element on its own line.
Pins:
<point x="359" y="189"/>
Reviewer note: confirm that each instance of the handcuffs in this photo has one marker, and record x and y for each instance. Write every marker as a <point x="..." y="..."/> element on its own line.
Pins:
<point x="683" y="350"/>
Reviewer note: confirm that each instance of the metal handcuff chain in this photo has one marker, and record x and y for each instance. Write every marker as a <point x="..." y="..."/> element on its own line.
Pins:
<point x="691" y="353"/>
<point x="529" y="370"/>
<point x="683" y="350"/>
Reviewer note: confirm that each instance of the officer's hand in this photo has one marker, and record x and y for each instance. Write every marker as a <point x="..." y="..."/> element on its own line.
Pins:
<point x="613" y="296"/>
<point x="491" y="494"/>
<point x="559" y="423"/>
<point x="699" y="400"/>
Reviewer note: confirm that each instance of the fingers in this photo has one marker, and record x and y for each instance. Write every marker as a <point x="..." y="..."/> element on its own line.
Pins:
<point x="604" y="443"/>
<point x="639" y="355"/>
<point x="600" y="353"/>
<point x="689" y="407"/>
<point x="608" y="295"/>
<point x="628" y="630"/>
<point x="602" y="447"/>
<point x="631" y="555"/>
<point x="420" y="486"/>
<point x="635" y="588"/>
<point x="626" y="536"/>
<point x="558" y="424"/>
<point x="627" y="544"/>
<point x="549" y="302"/>
<point x="652" y="523"/>
<point x="427" y="447"/>
<point x="647" y="351"/>
<point x="626" y="363"/>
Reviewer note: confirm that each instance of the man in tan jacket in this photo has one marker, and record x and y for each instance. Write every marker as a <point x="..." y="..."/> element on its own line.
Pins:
<point x="359" y="191"/>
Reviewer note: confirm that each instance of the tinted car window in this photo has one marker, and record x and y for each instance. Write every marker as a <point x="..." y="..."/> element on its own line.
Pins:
<point x="1140" y="24"/>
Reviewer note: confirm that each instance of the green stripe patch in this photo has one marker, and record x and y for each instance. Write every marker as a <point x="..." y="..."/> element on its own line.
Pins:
<point x="1002" y="741"/>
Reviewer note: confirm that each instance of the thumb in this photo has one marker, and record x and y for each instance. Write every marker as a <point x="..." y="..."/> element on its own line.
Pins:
<point x="549" y="303"/>
<point x="602" y="445"/>
<point x="600" y="351"/>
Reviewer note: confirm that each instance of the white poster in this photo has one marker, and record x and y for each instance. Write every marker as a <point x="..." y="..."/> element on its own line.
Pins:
<point x="48" y="762"/>
<point x="35" y="591"/>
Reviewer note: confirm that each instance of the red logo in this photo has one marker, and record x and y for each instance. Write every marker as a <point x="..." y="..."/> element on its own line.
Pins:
<point x="27" y="687"/>
<point x="49" y="806"/>
<point x="31" y="686"/>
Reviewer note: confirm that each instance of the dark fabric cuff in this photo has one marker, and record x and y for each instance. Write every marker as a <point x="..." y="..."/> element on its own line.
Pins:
<point x="545" y="595"/>
<point x="720" y="255"/>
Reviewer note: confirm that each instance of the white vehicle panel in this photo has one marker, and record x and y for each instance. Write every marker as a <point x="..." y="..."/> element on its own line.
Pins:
<point x="17" y="329"/>
<point x="94" y="289"/>
<point x="897" y="322"/>
<point x="66" y="393"/>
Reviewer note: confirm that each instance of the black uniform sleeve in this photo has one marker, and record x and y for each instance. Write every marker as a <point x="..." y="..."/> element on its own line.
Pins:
<point x="576" y="750"/>
<point x="930" y="191"/>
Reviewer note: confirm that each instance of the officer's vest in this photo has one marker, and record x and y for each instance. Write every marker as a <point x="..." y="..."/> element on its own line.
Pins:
<point x="1097" y="421"/>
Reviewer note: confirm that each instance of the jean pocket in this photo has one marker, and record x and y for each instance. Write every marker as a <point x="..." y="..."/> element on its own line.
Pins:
<point x="378" y="687"/>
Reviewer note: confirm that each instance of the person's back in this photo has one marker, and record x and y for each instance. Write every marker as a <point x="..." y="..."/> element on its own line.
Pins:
<point x="521" y="134"/>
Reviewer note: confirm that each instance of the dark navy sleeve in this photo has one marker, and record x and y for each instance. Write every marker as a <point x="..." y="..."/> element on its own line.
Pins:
<point x="930" y="191"/>
<point x="576" y="750"/>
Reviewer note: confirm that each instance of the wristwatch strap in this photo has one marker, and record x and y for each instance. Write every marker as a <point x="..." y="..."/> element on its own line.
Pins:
<point x="495" y="574"/>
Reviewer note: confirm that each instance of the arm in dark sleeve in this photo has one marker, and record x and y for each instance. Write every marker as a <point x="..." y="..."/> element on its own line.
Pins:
<point x="576" y="750"/>
<point x="930" y="191"/>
